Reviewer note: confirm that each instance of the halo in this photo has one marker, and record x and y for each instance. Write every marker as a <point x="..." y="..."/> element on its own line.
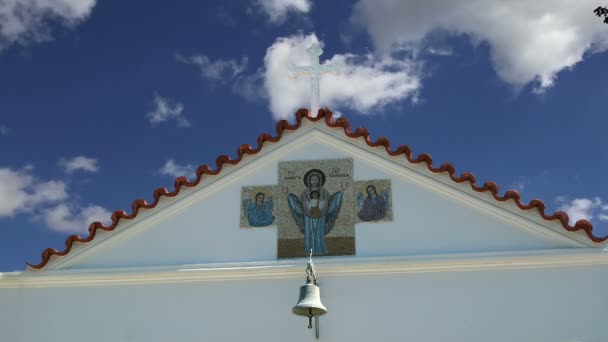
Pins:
<point x="314" y="172"/>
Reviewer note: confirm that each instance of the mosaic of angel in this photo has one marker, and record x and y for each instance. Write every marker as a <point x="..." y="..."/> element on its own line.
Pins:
<point x="315" y="211"/>
<point x="374" y="206"/>
<point x="259" y="213"/>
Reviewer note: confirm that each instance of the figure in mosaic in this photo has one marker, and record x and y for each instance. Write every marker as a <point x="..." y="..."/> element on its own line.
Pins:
<point x="316" y="211"/>
<point x="373" y="207"/>
<point x="259" y="214"/>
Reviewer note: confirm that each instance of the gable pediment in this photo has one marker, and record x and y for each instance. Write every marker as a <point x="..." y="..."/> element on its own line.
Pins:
<point x="429" y="213"/>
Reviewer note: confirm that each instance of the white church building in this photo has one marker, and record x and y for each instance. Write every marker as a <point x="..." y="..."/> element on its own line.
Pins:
<point x="403" y="251"/>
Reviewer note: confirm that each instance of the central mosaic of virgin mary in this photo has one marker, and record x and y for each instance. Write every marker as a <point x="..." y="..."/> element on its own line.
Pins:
<point x="317" y="205"/>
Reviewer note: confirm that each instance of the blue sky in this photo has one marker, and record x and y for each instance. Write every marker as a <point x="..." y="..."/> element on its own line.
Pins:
<point x="101" y="102"/>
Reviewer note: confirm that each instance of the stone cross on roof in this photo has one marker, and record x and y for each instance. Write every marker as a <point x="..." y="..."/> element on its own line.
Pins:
<point x="314" y="70"/>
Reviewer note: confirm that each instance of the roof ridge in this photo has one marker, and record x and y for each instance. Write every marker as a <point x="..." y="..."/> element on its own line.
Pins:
<point x="284" y="125"/>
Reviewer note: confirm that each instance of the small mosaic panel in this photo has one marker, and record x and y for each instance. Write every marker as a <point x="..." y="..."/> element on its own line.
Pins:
<point x="258" y="206"/>
<point x="316" y="201"/>
<point x="373" y="201"/>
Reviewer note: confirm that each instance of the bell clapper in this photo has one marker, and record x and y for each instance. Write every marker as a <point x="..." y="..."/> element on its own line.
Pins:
<point x="309" y="318"/>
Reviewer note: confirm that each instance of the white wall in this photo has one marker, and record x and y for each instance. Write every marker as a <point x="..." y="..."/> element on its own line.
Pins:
<point x="550" y="304"/>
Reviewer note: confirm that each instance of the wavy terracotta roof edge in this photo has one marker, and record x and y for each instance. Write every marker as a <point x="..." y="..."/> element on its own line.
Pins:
<point x="284" y="125"/>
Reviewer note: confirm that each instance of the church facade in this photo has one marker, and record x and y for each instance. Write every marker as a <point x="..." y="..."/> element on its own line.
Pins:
<point x="403" y="251"/>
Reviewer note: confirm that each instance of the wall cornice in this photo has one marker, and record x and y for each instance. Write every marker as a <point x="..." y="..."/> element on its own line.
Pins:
<point x="326" y="267"/>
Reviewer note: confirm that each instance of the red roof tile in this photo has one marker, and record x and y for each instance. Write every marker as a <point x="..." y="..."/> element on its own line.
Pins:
<point x="282" y="126"/>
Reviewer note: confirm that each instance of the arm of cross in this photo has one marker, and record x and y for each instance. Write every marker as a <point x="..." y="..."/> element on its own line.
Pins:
<point x="295" y="71"/>
<point x="335" y="68"/>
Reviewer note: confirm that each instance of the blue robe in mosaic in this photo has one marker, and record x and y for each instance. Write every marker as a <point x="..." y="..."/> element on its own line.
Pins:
<point x="259" y="215"/>
<point x="315" y="228"/>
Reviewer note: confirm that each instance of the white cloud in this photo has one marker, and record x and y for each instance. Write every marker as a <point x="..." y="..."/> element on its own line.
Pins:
<point x="79" y="163"/>
<point x="63" y="218"/>
<point x="4" y="130"/>
<point x="439" y="51"/>
<point x="171" y="168"/>
<point x="250" y="87"/>
<point x="167" y="110"/>
<point x="366" y="83"/>
<point x="20" y="192"/>
<point x="530" y="41"/>
<point x="219" y="70"/>
<point x="277" y="9"/>
<point x="24" y="21"/>
<point x="46" y="192"/>
<point x="584" y="209"/>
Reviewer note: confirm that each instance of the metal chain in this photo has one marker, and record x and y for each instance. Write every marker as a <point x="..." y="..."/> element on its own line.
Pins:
<point x="310" y="270"/>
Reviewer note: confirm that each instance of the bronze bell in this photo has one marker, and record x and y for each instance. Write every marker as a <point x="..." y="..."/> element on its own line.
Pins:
<point x="309" y="303"/>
